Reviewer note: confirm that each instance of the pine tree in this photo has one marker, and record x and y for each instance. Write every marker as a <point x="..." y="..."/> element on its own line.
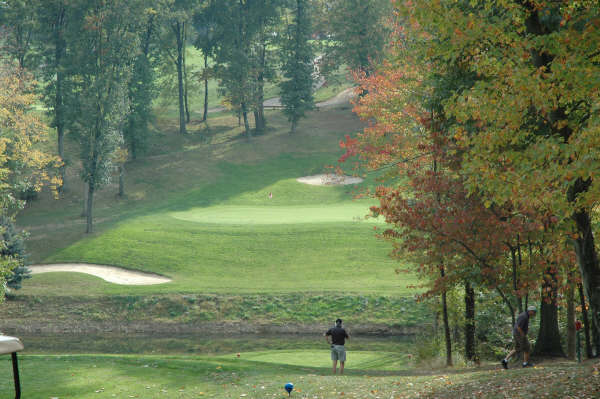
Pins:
<point x="13" y="247"/>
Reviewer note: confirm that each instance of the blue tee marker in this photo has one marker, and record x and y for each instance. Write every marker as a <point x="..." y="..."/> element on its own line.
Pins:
<point x="289" y="387"/>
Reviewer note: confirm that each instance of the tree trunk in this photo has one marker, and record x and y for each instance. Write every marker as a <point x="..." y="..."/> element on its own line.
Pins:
<point x="85" y="197"/>
<point x="469" y="322"/>
<point x="257" y="121"/>
<point x="587" y="259"/>
<point x="548" y="341"/>
<point x="446" y="325"/>
<point x="294" y="126"/>
<point x="121" y="180"/>
<point x="246" y="124"/>
<point x="261" y="123"/>
<point x="185" y="80"/>
<point x="179" y="65"/>
<point x="513" y="255"/>
<point x="586" y="322"/>
<point x="570" y="322"/>
<point x="90" y="207"/>
<point x="59" y="48"/>
<point x="205" y="115"/>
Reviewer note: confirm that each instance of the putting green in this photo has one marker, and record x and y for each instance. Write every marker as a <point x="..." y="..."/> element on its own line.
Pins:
<point x="321" y="358"/>
<point x="243" y="215"/>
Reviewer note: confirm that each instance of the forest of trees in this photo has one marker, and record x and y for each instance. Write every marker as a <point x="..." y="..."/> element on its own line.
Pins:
<point x="485" y="124"/>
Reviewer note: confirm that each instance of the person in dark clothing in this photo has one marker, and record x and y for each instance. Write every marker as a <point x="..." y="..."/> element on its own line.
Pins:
<point x="338" y="339"/>
<point x="520" y="337"/>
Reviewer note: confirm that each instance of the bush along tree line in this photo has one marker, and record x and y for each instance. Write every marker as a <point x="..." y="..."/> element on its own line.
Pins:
<point x="102" y="65"/>
<point x="484" y="130"/>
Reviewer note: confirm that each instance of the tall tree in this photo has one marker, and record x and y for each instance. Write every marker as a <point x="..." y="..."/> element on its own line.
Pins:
<point x="54" y="18"/>
<point x="233" y="56"/>
<point x="358" y="33"/>
<point x="141" y="88"/>
<point x="207" y="38"/>
<point x="296" y="89"/>
<point x="176" y="18"/>
<point x="18" y="22"/>
<point x="103" y="53"/>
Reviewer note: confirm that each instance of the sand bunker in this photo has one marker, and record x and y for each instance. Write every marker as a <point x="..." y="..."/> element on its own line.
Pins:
<point x="111" y="274"/>
<point x="329" y="180"/>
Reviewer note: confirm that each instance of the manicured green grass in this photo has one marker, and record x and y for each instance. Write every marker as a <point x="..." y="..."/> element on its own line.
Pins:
<point x="263" y="375"/>
<point x="206" y="221"/>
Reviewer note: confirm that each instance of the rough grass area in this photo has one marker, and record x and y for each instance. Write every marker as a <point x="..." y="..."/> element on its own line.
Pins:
<point x="262" y="375"/>
<point x="190" y="312"/>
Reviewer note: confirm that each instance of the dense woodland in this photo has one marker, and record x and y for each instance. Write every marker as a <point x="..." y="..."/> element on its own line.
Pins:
<point x="483" y="125"/>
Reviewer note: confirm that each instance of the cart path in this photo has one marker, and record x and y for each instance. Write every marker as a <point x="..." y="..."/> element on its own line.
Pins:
<point x="112" y="274"/>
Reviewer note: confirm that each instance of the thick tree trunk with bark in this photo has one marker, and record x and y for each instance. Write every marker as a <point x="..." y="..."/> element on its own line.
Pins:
<point x="548" y="341"/>
<point x="470" y="352"/>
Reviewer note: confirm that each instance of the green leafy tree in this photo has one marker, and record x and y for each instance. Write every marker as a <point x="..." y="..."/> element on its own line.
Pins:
<point x="207" y="39"/>
<point x="53" y="19"/>
<point x="102" y="55"/>
<point x="18" y="21"/>
<point x="296" y="88"/>
<point x="358" y="32"/>
<point x="234" y="58"/>
<point x="175" y="17"/>
<point x="142" y="88"/>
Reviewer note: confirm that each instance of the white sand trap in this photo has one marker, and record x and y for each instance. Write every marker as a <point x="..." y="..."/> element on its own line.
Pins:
<point x="111" y="274"/>
<point x="329" y="179"/>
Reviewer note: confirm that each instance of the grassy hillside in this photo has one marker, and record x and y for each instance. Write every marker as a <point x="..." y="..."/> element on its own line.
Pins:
<point x="198" y="211"/>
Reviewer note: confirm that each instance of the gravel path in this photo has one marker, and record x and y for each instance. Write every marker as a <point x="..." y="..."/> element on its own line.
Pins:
<point x="111" y="274"/>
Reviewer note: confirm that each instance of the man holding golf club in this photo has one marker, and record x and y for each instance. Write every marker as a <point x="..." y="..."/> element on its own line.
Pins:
<point x="338" y="339"/>
<point x="520" y="337"/>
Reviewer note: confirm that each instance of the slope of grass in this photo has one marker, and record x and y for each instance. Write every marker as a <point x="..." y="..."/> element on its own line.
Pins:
<point x="199" y="212"/>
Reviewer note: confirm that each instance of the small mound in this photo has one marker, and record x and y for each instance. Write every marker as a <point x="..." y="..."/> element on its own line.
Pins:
<point x="329" y="180"/>
<point x="112" y="274"/>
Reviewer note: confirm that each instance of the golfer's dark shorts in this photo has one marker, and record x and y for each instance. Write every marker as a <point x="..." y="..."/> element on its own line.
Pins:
<point x="338" y="352"/>
<point x="521" y="343"/>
